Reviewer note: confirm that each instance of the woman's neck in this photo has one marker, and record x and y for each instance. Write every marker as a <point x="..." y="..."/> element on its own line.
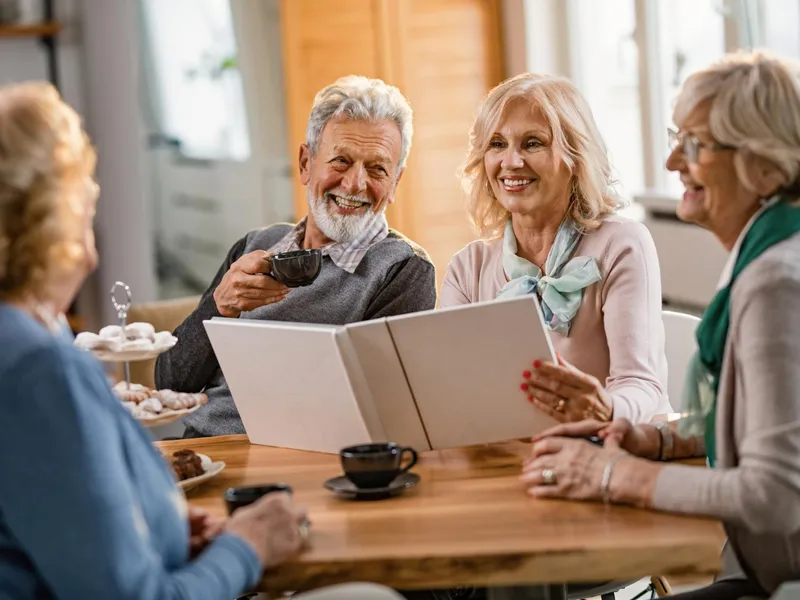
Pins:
<point x="47" y="312"/>
<point x="536" y="234"/>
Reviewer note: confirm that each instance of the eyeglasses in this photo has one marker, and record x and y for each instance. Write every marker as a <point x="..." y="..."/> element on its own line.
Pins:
<point x="690" y="145"/>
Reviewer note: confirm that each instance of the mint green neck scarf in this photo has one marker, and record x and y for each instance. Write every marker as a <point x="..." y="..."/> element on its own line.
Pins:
<point x="777" y="221"/>
<point x="561" y="290"/>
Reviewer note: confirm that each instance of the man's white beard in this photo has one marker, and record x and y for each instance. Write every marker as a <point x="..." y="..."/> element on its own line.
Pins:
<point x="338" y="227"/>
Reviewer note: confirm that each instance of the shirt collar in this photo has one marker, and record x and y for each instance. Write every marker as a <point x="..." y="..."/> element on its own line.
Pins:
<point x="345" y="255"/>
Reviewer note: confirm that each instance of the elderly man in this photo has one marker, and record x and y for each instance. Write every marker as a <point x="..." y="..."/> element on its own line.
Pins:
<point x="357" y="142"/>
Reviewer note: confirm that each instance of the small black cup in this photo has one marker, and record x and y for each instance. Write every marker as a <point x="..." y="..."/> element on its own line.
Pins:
<point x="242" y="496"/>
<point x="297" y="268"/>
<point x="372" y="466"/>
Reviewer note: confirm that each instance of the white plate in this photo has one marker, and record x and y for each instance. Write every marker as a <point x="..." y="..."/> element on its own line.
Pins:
<point x="167" y="416"/>
<point x="211" y="468"/>
<point x="134" y="355"/>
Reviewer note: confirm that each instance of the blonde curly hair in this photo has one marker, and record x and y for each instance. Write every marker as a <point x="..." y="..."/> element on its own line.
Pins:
<point x="575" y="137"/>
<point x="46" y="159"/>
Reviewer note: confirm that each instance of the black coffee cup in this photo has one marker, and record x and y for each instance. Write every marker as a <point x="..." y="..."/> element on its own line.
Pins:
<point x="375" y="465"/>
<point x="242" y="496"/>
<point x="297" y="268"/>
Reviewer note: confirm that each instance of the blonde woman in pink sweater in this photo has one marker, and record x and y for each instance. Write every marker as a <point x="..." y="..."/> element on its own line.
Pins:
<point x="540" y="192"/>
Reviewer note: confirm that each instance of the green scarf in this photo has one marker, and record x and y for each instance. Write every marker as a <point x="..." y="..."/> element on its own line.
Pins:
<point x="776" y="222"/>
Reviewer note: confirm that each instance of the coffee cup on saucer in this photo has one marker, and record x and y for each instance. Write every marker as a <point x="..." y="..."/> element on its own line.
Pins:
<point x="371" y="466"/>
<point x="374" y="471"/>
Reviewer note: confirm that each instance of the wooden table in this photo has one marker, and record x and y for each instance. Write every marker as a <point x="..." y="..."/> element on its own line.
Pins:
<point x="468" y="522"/>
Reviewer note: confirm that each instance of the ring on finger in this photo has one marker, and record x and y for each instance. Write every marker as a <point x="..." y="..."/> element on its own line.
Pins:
<point x="302" y="529"/>
<point x="549" y="476"/>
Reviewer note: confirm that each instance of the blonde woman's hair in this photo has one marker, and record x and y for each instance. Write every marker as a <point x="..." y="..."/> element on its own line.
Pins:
<point x="45" y="160"/>
<point x="575" y="138"/>
<point x="754" y="106"/>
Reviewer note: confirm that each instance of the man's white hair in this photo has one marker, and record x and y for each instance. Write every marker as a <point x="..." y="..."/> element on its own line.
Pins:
<point x="361" y="99"/>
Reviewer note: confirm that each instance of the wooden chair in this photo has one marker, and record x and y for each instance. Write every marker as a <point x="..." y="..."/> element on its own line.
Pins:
<point x="164" y="315"/>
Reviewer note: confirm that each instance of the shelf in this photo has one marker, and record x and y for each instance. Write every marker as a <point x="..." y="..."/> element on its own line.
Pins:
<point x="31" y="30"/>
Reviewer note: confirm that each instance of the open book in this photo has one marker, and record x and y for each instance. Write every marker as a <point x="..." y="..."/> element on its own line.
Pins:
<point x="435" y="379"/>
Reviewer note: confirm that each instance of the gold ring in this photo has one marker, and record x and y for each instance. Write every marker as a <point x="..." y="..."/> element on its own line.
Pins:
<point x="562" y="404"/>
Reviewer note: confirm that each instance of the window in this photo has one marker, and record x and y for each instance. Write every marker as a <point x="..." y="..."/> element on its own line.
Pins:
<point x="630" y="57"/>
<point x="607" y="72"/>
<point x="198" y="98"/>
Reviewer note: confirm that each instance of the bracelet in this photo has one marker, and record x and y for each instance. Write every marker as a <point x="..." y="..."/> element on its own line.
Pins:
<point x="605" y="483"/>
<point x="667" y="447"/>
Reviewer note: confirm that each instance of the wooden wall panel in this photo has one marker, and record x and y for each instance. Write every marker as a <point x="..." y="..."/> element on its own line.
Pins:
<point x="322" y="43"/>
<point x="451" y="58"/>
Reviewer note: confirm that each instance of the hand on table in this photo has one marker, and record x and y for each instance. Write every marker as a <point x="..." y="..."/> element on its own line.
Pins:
<point x="246" y="286"/>
<point x="639" y="440"/>
<point x="566" y="393"/>
<point x="274" y="527"/>
<point x="202" y="529"/>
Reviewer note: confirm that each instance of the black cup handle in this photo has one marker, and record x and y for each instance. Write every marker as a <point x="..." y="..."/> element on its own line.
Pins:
<point x="413" y="454"/>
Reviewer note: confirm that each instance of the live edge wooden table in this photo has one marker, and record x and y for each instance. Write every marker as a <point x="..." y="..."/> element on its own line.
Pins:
<point x="468" y="522"/>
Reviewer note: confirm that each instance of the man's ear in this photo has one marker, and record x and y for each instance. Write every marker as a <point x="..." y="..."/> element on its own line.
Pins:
<point x="304" y="163"/>
<point x="393" y="195"/>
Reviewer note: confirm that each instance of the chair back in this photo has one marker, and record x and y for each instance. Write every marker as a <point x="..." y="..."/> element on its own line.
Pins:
<point x="680" y="345"/>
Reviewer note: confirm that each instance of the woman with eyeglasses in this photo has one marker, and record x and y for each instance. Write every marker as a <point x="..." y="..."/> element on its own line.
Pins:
<point x="738" y="155"/>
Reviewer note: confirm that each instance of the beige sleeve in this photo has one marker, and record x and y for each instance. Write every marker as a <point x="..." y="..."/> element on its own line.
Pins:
<point x="762" y="494"/>
<point x="454" y="285"/>
<point x="633" y="326"/>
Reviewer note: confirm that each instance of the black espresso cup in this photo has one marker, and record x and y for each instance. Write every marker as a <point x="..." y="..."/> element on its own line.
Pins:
<point x="297" y="268"/>
<point x="371" y="466"/>
<point x="242" y="496"/>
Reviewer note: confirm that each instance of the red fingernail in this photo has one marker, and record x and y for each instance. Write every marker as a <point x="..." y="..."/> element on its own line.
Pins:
<point x="523" y="387"/>
<point x="526" y="374"/>
<point x="530" y="399"/>
<point x="537" y="364"/>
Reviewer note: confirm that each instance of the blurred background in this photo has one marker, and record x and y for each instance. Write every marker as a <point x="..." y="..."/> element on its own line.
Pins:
<point x="198" y="108"/>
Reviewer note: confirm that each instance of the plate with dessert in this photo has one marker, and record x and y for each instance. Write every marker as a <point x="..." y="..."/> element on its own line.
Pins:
<point x="191" y="469"/>
<point x="136" y="341"/>
<point x="157" y="407"/>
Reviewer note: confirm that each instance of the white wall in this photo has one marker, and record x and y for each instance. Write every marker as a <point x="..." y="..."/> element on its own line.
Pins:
<point x="110" y="53"/>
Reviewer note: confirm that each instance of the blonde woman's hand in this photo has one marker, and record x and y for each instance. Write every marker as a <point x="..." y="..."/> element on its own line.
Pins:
<point x="566" y="393"/>
<point x="273" y="526"/>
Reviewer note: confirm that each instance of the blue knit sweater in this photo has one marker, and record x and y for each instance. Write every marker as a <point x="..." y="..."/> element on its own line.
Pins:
<point x="88" y="507"/>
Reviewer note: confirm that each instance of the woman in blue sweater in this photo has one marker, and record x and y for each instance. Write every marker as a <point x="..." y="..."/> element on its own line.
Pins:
<point x="88" y="508"/>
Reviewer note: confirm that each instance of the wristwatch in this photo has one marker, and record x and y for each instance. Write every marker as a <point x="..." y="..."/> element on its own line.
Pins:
<point x="666" y="449"/>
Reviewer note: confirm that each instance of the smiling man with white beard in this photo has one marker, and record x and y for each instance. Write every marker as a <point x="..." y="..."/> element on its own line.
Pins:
<point x="357" y="143"/>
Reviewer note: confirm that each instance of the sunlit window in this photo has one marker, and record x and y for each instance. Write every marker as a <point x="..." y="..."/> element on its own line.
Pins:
<point x="198" y="98"/>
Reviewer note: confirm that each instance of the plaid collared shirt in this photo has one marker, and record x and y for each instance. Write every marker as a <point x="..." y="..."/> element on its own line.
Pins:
<point x="346" y="256"/>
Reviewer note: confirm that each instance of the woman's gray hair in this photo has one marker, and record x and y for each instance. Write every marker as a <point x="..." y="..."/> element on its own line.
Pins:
<point x="361" y="99"/>
<point x="755" y="107"/>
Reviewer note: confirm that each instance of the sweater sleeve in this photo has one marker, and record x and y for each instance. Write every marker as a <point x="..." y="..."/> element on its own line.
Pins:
<point x="454" y="289"/>
<point x="634" y="327"/>
<point x="762" y="493"/>
<point x="190" y="365"/>
<point x="68" y="501"/>
<point x="410" y="286"/>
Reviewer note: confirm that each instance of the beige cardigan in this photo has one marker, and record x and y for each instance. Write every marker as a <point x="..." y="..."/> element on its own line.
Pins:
<point x="617" y="334"/>
<point x="755" y="488"/>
